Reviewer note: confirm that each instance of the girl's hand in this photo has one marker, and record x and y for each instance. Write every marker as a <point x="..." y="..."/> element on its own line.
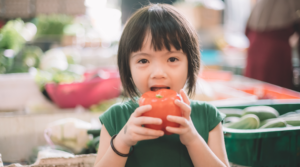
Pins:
<point x="133" y="131"/>
<point x="187" y="130"/>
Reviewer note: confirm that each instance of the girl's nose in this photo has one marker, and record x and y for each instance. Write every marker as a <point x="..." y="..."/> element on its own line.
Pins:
<point x="158" y="72"/>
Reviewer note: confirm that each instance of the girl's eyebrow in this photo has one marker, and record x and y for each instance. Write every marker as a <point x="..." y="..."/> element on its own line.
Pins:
<point x="175" y="52"/>
<point x="146" y="54"/>
<point x="138" y="54"/>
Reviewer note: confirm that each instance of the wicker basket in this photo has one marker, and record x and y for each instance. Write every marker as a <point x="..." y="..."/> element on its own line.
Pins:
<point x="86" y="160"/>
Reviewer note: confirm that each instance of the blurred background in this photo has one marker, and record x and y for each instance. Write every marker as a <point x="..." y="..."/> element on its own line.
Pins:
<point x="58" y="66"/>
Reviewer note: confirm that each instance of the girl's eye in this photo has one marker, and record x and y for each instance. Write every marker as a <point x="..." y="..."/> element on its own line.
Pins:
<point x="172" y="59"/>
<point x="143" y="61"/>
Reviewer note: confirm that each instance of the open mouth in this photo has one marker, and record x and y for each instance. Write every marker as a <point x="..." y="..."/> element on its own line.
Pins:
<point x="158" y="88"/>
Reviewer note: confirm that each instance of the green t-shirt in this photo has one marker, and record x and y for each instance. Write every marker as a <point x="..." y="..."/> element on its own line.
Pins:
<point x="166" y="151"/>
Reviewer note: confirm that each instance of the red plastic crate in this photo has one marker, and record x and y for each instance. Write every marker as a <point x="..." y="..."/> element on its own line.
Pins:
<point x="86" y="93"/>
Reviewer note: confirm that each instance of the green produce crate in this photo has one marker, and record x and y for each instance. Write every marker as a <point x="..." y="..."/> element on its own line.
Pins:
<point x="274" y="147"/>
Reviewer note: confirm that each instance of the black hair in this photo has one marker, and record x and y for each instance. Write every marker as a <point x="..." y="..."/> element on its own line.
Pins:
<point x="167" y="27"/>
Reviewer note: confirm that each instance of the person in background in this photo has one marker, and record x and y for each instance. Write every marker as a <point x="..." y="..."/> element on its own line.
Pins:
<point x="270" y="25"/>
<point x="128" y="7"/>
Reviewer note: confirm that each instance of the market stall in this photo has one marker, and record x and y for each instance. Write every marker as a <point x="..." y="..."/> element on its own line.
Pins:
<point x="58" y="74"/>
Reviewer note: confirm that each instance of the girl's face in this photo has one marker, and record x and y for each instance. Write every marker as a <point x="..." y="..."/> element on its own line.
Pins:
<point x="153" y="70"/>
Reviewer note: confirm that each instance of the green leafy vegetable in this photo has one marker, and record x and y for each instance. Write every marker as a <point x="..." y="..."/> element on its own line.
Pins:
<point x="52" y="24"/>
<point x="11" y="43"/>
<point x="57" y="76"/>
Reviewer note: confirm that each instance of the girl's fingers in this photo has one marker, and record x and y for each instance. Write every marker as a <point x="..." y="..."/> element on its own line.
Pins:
<point x="140" y="110"/>
<point x="185" y="107"/>
<point x="180" y="120"/>
<point x="148" y="132"/>
<point x="143" y="137"/>
<point x="147" y="120"/>
<point x="174" y="130"/>
<point x="184" y="96"/>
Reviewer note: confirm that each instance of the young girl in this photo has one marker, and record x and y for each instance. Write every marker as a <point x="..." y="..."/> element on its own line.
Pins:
<point x="159" y="49"/>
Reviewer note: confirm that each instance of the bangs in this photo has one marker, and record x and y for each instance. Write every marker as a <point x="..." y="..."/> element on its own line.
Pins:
<point x="163" y="27"/>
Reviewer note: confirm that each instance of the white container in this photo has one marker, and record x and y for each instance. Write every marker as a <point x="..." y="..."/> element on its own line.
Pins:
<point x="17" y="90"/>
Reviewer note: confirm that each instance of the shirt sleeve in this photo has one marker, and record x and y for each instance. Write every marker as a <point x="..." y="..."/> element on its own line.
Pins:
<point x="108" y="118"/>
<point x="214" y="116"/>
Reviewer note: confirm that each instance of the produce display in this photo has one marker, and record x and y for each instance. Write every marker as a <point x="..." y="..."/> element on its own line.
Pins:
<point x="273" y="143"/>
<point x="27" y="58"/>
<point x="231" y="119"/>
<point x="92" y="145"/>
<point x="293" y="120"/>
<point x="232" y="112"/>
<point x="69" y="132"/>
<point x="11" y="42"/>
<point x="56" y="76"/>
<point x="162" y="102"/>
<point x="270" y="123"/>
<point x="52" y="24"/>
<point x="249" y="121"/>
<point x="263" y="112"/>
<point x="10" y="35"/>
<point x="259" y="117"/>
<point x="18" y="52"/>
